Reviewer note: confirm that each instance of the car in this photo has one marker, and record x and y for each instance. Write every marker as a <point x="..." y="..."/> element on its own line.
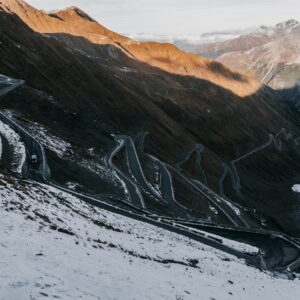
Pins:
<point x="34" y="159"/>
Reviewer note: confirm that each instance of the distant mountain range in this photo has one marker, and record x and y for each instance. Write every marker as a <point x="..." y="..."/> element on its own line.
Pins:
<point x="190" y="42"/>
<point x="271" y="54"/>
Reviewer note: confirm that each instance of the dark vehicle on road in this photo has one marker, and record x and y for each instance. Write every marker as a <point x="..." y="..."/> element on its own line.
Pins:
<point x="34" y="160"/>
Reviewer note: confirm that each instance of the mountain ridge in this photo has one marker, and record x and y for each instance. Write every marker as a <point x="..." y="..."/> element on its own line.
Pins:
<point x="270" y="54"/>
<point x="164" y="56"/>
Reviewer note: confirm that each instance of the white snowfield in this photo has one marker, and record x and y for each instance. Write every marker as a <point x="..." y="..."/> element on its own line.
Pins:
<point x="53" y="246"/>
<point x="14" y="141"/>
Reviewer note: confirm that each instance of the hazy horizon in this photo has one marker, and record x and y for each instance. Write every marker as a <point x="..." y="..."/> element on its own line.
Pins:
<point x="189" y="17"/>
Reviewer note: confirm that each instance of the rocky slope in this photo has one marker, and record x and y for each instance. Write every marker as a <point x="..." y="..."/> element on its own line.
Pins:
<point x="270" y="54"/>
<point x="245" y="42"/>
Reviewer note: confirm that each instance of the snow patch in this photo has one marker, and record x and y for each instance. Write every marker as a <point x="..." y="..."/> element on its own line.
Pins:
<point x="50" y="141"/>
<point x="72" y="185"/>
<point x="213" y="209"/>
<point x="0" y="147"/>
<point x="296" y="188"/>
<point x="104" y="172"/>
<point x="14" y="141"/>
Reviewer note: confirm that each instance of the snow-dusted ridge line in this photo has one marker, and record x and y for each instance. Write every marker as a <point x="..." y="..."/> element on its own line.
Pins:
<point x="50" y="141"/>
<point x="61" y="147"/>
<point x="14" y="140"/>
<point x="44" y="170"/>
<point x="19" y="151"/>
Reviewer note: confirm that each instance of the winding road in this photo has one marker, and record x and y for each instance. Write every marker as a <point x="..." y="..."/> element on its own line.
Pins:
<point x="134" y="192"/>
<point x="198" y="149"/>
<point x="273" y="140"/>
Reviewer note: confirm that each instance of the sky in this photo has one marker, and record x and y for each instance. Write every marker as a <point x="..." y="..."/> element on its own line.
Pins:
<point x="180" y="17"/>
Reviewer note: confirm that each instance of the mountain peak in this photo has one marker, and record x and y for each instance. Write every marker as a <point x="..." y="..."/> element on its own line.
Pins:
<point x="72" y="11"/>
<point x="16" y="4"/>
<point x="4" y="8"/>
<point x="20" y="8"/>
<point x="287" y="25"/>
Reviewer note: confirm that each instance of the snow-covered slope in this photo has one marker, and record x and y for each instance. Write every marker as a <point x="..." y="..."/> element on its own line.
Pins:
<point x="53" y="245"/>
<point x="15" y="143"/>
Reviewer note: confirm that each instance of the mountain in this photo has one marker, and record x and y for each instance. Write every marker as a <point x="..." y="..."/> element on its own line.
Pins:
<point x="275" y="63"/>
<point x="90" y="94"/>
<point x="77" y="25"/>
<point x="272" y="55"/>
<point x="72" y="20"/>
<point x="245" y="42"/>
<point x="189" y="43"/>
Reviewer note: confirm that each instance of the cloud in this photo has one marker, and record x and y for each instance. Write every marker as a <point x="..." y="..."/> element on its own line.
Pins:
<point x="180" y="17"/>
